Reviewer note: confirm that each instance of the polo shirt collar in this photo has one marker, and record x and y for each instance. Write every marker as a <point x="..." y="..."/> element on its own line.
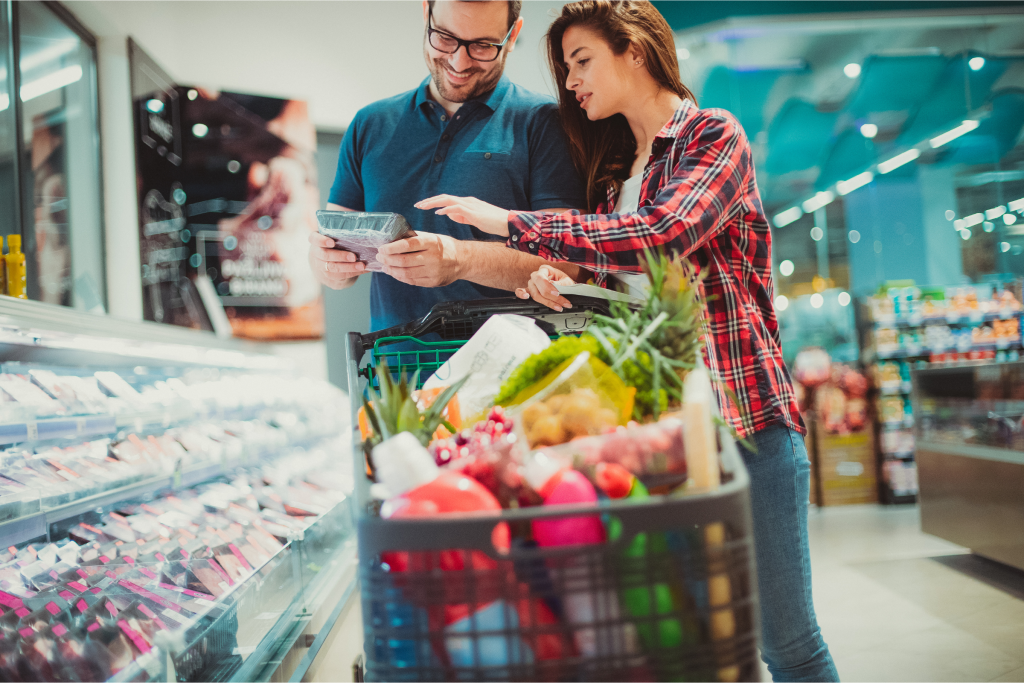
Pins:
<point x="491" y="100"/>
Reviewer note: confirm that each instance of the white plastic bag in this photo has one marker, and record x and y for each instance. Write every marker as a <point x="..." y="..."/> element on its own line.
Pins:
<point x="490" y="356"/>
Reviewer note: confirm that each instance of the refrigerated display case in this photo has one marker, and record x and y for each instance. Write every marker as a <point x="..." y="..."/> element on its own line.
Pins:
<point x="173" y="506"/>
<point x="970" y="454"/>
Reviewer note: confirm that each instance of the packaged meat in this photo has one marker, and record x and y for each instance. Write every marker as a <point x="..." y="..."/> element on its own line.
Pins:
<point x="362" y="233"/>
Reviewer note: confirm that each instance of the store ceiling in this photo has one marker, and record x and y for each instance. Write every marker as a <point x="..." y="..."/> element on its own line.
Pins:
<point x="912" y="79"/>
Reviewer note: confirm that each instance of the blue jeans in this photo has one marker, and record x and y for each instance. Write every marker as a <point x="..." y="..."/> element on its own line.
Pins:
<point x="780" y="479"/>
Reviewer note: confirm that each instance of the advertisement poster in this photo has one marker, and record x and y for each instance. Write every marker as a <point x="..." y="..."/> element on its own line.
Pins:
<point x="228" y="195"/>
<point x="250" y="180"/>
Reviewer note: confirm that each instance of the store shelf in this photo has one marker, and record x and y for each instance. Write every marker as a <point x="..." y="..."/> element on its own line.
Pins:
<point x="887" y="353"/>
<point x="894" y="389"/>
<point x="900" y="455"/>
<point x="905" y="423"/>
<point x="921" y="321"/>
<point x="35" y="332"/>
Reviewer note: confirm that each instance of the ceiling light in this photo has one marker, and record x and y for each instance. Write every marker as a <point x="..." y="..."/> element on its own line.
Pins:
<point x="998" y="211"/>
<point x="782" y="303"/>
<point x="817" y="201"/>
<point x="976" y="63"/>
<point x="950" y="214"/>
<point x="852" y="70"/>
<point x="682" y="53"/>
<point x="965" y="234"/>
<point x="973" y="219"/>
<point x="1004" y="247"/>
<point x="959" y="224"/>
<point x="50" y="82"/>
<point x="786" y="268"/>
<point x="200" y="130"/>
<point x="1009" y="219"/>
<point x="844" y="298"/>
<point x="950" y="135"/>
<point x="154" y="105"/>
<point x="845" y="187"/>
<point x="988" y="226"/>
<point x="869" y="130"/>
<point x="193" y="93"/>
<point x="1016" y="205"/>
<point x="854" y="236"/>
<point x="817" y="300"/>
<point x="817" y="233"/>
<point x="901" y="159"/>
<point x="786" y="217"/>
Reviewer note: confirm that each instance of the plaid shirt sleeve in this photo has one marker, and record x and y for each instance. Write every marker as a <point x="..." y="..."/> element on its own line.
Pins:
<point x="699" y="199"/>
<point x="688" y="211"/>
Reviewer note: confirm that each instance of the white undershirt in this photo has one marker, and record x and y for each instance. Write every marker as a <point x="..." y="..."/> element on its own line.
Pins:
<point x="629" y="202"/>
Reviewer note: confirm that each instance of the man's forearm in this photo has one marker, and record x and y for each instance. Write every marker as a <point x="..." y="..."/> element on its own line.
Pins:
<point x="492" y="264"/>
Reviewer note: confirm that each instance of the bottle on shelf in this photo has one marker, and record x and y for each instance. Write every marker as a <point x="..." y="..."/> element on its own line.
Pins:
<point x="14" y="268"/>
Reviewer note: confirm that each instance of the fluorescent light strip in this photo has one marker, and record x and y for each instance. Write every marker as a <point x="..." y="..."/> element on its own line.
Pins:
<point x="786" y="217"/>
<point x="959" y="224"/>
<point x="844" y="187"/>
<point x="58" y="79"/>
<point x="995" y="213"/>
<point x="950" y="135"/>
<point x="817" y="201"/>
<point x="973" y="219"/>
<point x="898" y="160"/>
<point x="1017" y="205"/>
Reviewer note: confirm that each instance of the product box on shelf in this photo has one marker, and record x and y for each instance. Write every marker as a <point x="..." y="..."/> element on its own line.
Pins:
<point x="846" y="467"/>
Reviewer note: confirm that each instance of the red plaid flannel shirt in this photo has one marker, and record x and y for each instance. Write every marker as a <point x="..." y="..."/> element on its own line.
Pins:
<point x="699" y="198"/>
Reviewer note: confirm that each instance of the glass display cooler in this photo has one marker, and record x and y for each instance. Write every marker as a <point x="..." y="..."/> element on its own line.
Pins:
<point x="173" y="506"/>
<point x="970" y="453"/>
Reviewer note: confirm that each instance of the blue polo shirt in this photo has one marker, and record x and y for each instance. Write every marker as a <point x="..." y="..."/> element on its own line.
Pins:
<point x="505" y="147"/>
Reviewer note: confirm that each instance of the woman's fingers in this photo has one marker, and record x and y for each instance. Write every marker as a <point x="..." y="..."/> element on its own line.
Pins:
<point x="542" y="280"/>
<point x="542" y="299"/>
<point x="436" y="201"/>
<point x="523" y="293"/>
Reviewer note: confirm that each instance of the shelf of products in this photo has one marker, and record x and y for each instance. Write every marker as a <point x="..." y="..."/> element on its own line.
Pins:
<point x="165" y="521"/>
<point x="916" y="327"/>
<point x="970" y="448"/>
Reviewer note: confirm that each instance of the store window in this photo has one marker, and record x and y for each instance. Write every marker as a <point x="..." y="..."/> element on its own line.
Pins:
<point x="50" y="191"/>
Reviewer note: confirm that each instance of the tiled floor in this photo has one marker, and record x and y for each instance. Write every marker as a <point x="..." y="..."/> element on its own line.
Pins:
<point x="895" y="604"/>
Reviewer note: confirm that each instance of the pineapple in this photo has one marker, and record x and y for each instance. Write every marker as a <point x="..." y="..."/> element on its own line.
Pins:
<point x="394" y="409"/>
<point x="653" y="348"/>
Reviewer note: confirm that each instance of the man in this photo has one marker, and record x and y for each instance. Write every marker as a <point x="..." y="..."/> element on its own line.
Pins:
<point x="467" y="130"/>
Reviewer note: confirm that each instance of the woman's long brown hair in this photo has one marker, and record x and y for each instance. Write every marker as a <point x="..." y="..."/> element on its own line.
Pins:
<point x="604" y="151"/>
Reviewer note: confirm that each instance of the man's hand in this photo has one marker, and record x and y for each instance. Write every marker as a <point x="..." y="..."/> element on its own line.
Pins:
<point x="335" y="268"/>
<point x="542" y="288"/>
<point x="424" y="260"/>
<point x="487" y="217"/>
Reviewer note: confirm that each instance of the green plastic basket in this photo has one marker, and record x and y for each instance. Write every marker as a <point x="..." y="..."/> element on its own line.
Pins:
<point x="414" y="355"/>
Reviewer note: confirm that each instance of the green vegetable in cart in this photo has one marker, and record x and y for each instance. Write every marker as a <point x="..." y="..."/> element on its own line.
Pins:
<point x="536" y="367"/>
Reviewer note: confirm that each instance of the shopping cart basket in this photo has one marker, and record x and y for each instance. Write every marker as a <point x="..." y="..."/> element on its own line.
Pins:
<point x="673" y="597"/>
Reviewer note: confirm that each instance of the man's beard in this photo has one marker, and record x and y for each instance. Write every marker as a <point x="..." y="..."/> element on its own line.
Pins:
<point x="483" y="84"/>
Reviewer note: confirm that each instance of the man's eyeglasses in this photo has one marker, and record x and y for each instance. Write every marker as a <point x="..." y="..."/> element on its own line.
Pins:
<point x="449" y="44"/>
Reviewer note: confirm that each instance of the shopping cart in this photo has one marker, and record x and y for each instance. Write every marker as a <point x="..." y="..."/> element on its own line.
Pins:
<point x="673" y="597"/>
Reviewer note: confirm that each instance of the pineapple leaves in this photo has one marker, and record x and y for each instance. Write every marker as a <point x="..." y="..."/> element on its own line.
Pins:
<point x="393" y="409"/>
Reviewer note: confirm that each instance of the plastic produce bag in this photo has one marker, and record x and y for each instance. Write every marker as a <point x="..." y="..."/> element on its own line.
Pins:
<point x="362" y="233"/>
<point x="654" y="453"/>
<point x="581" y="397"/>
<point x="489" y="357"/>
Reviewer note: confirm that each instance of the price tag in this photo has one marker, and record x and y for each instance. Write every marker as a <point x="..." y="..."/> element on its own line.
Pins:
<point x="977" y="316"/>
<point x="1002" y="343"/>
<point x="952" y="318"/>
<point x="32" y="430"/>
<point x="1005" y="314"/>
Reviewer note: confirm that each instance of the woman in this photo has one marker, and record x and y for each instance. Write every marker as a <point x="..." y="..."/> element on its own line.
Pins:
<point x="661" y="172"/>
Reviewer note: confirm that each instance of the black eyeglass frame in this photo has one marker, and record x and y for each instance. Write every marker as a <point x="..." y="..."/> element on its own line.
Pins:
<point x="464" y="43"/>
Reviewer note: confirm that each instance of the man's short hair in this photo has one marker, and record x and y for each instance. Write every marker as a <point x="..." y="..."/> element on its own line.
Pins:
<point x="514" y="8"/>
